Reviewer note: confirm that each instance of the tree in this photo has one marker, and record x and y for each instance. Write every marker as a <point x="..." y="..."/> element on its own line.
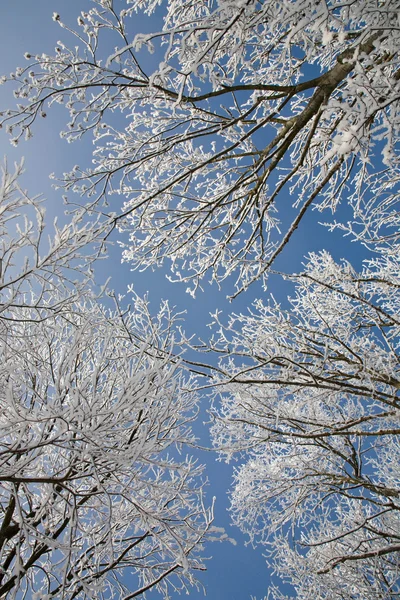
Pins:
<point x="95" y="500"/>
<point x="250" y="102"/>
<point x="309" y="397"/>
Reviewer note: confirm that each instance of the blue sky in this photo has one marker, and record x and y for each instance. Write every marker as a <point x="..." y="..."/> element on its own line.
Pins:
<point x="235" y="572"/>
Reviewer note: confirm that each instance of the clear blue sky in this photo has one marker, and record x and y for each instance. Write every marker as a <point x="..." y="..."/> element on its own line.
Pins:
<point x="235" y="572"/>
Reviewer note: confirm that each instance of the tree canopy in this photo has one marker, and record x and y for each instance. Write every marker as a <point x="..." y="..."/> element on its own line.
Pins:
<point x="93" y="409"/>
<point x="214" y="135"/>
<point x="310" y="395"/>
<point x="246" y="104"/>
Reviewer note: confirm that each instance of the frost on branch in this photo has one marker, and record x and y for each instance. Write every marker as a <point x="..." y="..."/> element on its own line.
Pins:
<point x="310" y="397"/>
<point x="95" y="499"/>
<point x="38" y="269"/>
<point x="250" y="102"/>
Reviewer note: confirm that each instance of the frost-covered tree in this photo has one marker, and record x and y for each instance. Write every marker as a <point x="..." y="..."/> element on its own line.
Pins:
<point x="95" y="499"/>
<point x="309" y="398"/>
<point x="243" y="104"/>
